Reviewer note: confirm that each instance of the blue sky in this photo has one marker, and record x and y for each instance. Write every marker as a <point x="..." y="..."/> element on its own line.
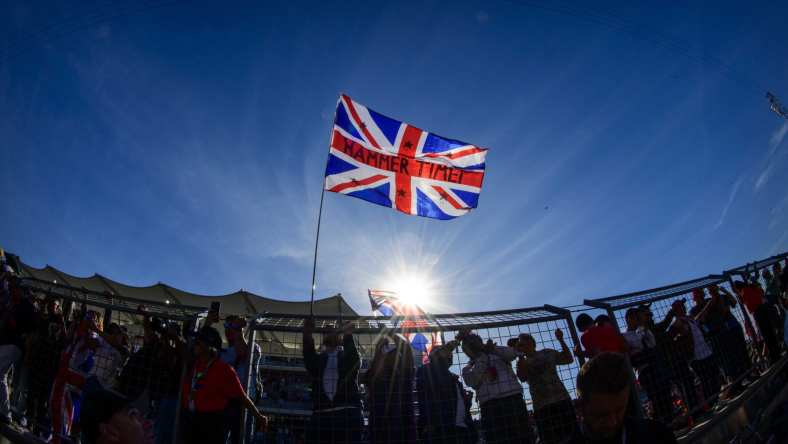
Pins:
<point x="630" y="145"/>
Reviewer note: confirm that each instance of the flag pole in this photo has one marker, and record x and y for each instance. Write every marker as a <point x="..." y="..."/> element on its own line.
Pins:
<point x="319" y="217"/>
<point x="317" y="241"/>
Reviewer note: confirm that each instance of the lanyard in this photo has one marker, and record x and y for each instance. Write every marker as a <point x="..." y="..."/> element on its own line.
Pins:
<point x="196" y="378"/>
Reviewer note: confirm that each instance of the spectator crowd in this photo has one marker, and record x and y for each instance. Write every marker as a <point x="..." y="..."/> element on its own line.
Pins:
<point x="68" y="374"/>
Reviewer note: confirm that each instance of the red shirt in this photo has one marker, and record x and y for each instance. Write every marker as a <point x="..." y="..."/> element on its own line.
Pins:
<point x="604" y="338"/>
<point x="752" y="297"/>
<point x="217" y="385"/>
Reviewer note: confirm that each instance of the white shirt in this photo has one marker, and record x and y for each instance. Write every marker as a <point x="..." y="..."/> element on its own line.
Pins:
<point x="331" y="375"/>
<point x="702" y="349"/>
<point x="477" y="375"/>
<point x="638" y="339"/>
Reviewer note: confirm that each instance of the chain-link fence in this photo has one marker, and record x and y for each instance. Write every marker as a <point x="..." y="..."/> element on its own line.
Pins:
<point x="64" y="346"/>
<point x="70" y="356"/>
<point x="413" y="373"/>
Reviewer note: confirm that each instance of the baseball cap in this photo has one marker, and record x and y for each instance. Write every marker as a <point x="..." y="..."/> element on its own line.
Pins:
<point x="98" y="408"/>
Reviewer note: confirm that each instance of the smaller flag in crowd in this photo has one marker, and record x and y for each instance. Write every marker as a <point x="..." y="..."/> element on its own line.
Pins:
<point x="391" y="163"/>
<point x="388" y="303"/>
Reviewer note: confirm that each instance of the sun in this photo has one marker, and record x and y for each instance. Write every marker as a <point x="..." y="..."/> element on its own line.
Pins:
<point x="412" y="288"/>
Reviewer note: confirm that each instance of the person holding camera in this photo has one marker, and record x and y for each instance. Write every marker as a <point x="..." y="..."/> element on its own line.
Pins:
<point x="336" y="417"/>
<point x="499" y="393"/>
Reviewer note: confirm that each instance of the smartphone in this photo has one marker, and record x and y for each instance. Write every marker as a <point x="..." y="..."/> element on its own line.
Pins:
<point x="216" y="306"/>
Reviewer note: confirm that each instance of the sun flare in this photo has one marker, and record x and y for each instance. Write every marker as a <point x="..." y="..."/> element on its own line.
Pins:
<point x="412" y="288"/>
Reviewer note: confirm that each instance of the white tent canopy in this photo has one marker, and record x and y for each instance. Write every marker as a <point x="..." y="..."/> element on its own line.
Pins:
<point x="239" y="303"/>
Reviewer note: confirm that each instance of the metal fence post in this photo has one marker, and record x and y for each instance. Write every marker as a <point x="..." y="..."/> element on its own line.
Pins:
<point x="607" y="307"/>
<point x="184" y="370"/>
<point x="247" y="385"/>
<point x="570" y="325"/>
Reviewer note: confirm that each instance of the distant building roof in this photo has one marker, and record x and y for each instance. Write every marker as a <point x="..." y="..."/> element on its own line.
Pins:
<point x="240" y="303"/>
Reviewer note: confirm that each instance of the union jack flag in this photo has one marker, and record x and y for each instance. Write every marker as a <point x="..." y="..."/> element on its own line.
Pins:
<point x="387" y="303"/>
<point x="394" y="164"/>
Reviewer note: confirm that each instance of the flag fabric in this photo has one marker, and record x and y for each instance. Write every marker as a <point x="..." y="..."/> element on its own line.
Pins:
<point x="391" y="163"/>
<point x="388" y="303"/>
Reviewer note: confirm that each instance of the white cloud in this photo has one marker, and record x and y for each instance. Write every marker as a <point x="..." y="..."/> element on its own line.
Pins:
<point x="731" y="197"/>
<point x="774" y="143"/>
<point x="764" y="176"/>
<point x="777" y="138"/>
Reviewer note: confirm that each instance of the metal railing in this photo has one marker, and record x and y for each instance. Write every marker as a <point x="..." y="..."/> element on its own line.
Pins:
<point x="693" y="389"/>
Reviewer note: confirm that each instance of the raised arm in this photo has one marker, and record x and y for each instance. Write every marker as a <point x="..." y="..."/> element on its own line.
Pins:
<point x="522" y="370"/>
<point x="565" y="357"/>
<point x="262" y="421"/>
<point x="732" y="300"/>
<point x="663" y="325"/>
<point x="349" y="345"/>
<point x="308" y="346"/>
<point x="473" y="374"/>
<point x="701" y="316"/>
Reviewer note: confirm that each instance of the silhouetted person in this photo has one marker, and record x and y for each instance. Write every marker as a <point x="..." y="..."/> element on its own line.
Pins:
<point x="604" y="385"/>
<point x="390" y="382"/>
<point x="337" y="405"/>
<point x="209" y="386"/>
<point x="753" y="299"/>
<point x="726" y="336"/>
<point x="651" y="373"/>
<point x="701" y="355"/>
<point x="237" y="356"/>
<point x="444" y="410"/>
<point x="553" y="409"/>
<point x="598" y="337"/>
<point x="109" y="418"/>
<point x="489" y="372"/>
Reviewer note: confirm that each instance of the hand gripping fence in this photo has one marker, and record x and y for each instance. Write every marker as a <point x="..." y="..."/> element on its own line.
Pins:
<point x="506" y="376"/>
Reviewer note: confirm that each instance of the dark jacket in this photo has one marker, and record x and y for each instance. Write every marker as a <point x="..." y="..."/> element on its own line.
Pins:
<point x="348" y="363"/>
<point x="637" y="431"/>
<point x="17" y="321"/>
<point x="437" y="390"/>
<point x="389" y="384"/>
